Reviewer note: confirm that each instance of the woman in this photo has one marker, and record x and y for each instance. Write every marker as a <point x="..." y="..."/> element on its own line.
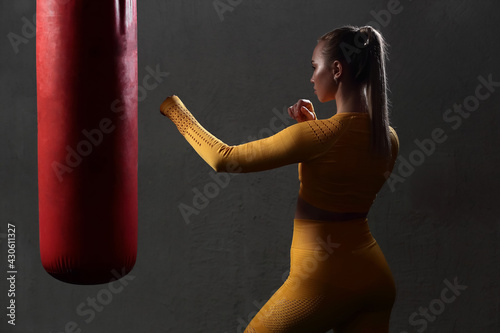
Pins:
<point x="339" y="278"/>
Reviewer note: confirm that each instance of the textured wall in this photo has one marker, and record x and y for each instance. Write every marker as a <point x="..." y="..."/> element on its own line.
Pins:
<point x="237" y="71"/>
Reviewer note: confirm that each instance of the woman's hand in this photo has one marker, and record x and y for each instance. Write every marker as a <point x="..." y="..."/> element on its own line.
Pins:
<point x="301" y="111"/>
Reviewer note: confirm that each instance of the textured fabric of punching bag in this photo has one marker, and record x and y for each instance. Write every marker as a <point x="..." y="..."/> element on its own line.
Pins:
<point x="86" y="57"/>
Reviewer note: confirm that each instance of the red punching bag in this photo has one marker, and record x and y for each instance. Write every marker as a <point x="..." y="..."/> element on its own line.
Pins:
<point x="86" y="65"/>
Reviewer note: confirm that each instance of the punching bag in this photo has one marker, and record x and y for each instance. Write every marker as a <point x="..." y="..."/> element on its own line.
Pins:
<point x="86" y="66"/>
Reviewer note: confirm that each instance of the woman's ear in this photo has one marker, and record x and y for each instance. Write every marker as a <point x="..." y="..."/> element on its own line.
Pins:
<point x="336" y="69"/>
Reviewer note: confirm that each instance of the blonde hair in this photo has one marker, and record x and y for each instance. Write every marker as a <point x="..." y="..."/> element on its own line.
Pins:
<point x="364" y="51"/>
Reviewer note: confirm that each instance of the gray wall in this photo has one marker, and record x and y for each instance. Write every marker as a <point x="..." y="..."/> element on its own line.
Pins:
<point x="437" y="223"/>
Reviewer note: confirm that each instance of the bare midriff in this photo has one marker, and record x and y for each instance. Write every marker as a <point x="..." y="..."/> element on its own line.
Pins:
<point x="307" y="211"/>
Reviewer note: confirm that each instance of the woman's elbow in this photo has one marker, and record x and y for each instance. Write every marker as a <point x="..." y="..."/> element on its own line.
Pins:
<point x="228" y="167"/>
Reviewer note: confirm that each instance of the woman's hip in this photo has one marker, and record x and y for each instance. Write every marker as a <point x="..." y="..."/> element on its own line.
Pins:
<point x="339" y="257"/>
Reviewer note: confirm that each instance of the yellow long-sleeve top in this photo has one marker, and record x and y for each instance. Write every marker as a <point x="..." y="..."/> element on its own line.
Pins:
<point x="336" y="170"/>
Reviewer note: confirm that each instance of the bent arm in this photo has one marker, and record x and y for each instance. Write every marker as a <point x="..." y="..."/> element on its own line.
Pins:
<point x="297" y="143"/>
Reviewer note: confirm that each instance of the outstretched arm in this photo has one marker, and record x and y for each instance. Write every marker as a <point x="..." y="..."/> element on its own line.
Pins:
<point x="297" y="143"/>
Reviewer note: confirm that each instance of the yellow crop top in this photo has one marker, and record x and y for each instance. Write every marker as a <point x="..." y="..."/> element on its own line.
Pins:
<point x="336" y="171"/>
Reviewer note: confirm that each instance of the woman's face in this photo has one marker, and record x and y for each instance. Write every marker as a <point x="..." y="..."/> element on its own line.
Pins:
<point x="322" y="78"/>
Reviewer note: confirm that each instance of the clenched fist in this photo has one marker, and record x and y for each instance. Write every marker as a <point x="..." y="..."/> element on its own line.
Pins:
<point x="301" y="111"/>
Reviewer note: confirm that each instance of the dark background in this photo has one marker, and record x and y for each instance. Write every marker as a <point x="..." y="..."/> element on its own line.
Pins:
<point x="236" y="72"/>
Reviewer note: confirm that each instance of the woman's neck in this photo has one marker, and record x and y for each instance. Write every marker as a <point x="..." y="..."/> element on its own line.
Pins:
<point x="351" y="99"/>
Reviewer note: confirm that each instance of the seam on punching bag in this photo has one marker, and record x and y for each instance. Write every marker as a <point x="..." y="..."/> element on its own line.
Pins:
<point x="123" y="15"/>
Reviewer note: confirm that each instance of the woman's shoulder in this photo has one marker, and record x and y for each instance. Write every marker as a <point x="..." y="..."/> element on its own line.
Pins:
<point x="394" y="138"/>
<point x="394" y="133"/>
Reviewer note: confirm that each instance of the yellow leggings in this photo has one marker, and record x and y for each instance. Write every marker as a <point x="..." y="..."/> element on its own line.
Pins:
<point x="339" y="279"/>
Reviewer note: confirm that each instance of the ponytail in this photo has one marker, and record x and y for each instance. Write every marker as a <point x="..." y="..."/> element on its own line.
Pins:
<point x="364" y="50"/>
<point x="377" y="90"/>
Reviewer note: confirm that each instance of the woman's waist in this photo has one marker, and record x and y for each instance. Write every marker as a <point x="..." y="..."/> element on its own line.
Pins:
<point x="330" y="236"/>
<point x="305" y="210"/>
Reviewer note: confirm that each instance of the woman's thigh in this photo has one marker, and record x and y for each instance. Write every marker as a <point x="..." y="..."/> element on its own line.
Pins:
<point x="351" y="292"/>
<point x="307" y="306"/>
<point x="306" y="310"/>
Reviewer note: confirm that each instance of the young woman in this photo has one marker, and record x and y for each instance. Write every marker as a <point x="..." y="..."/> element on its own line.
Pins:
<point x="339" y="278"/>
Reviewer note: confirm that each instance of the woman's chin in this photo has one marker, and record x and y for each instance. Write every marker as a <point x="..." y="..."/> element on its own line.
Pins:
<point x="322" y="99"/>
